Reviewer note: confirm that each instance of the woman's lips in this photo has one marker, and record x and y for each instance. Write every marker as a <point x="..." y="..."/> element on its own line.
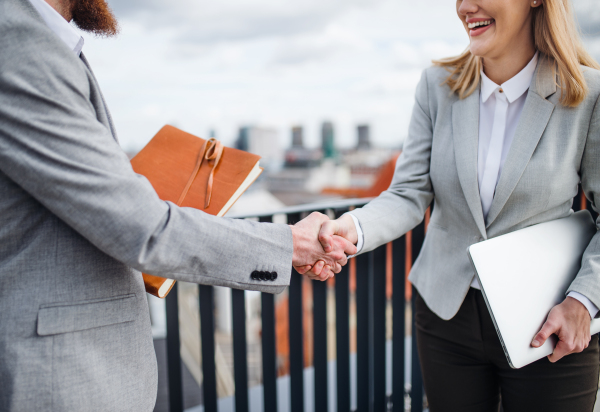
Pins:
<point x="480" y="30"/>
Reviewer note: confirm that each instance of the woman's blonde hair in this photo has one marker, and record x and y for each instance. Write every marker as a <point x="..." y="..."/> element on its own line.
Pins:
<point x="555" y="35"/>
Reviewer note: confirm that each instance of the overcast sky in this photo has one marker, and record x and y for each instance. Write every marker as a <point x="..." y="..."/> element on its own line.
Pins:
<point x="203" y="65"/>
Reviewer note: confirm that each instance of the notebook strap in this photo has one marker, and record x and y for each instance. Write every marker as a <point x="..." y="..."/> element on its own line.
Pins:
<point x="212" y="150"/>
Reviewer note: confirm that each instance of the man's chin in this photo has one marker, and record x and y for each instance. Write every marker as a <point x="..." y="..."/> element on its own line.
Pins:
<point x="95" y="16"/>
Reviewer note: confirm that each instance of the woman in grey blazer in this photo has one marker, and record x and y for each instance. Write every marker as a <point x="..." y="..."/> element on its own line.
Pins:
<point x="500" y="138"/>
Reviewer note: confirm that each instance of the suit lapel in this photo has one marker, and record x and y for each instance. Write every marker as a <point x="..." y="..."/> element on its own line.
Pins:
<point x="106" y="111"/>
<point x="465" y="132"/>
<point x="534" y="118"/>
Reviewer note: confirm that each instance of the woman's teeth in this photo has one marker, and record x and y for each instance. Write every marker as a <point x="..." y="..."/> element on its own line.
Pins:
<point x="479" y="23"/>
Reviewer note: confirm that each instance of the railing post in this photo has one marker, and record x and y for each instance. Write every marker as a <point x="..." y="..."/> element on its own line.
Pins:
<point x="207" y="336"/>
<point x="240" y="363"/>
<point x="320" y="345"/>
<point x="364" y="381"/>
<point x="269" y="348"/>
<point x="399" y="323"/>
<point x="296" y="336"/>
<point x="379" y="324"/>
<point x="173" y="355"/>
<point x="342" y="327"/>
<point x="416" y="394"/>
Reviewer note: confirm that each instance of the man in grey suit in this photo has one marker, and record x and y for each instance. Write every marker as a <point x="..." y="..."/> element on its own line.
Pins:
<point x="77" y="226"/>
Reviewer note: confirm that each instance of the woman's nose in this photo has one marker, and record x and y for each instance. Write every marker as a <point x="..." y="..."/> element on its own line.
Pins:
<point x="467" y="6"/>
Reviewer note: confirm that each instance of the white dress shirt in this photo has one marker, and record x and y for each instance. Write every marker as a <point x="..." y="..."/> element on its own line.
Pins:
<point x="500" y="108"/>
<point x="57" y="23"/>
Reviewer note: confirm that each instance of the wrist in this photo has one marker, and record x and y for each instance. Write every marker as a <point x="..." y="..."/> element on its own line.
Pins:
<point x="294" y="244"/>
<point x="577" y="306"/>
<point x="348" y="229"/>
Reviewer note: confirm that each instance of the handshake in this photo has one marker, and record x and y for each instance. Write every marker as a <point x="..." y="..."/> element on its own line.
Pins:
<point x="322" y="246"/>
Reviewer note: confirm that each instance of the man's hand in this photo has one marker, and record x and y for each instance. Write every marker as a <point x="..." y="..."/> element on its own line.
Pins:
<point x="570" y="321"/>
<point x="309" y="254"/>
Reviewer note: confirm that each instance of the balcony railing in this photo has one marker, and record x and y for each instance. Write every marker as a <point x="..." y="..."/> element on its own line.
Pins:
<point x="361" y="378"/>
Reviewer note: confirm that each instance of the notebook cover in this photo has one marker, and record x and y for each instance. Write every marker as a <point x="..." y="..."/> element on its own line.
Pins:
<point x="168" y="160"/>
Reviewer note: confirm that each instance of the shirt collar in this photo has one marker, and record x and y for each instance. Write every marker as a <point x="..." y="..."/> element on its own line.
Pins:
<point x="513" y="88"/>
<point x="59" y="26"/>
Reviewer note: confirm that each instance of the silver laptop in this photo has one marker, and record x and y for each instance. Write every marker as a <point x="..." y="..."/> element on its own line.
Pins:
<point x="526" y="273"/>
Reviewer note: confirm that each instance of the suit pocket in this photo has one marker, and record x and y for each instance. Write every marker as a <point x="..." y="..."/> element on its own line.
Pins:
<point x="68" y="317"/>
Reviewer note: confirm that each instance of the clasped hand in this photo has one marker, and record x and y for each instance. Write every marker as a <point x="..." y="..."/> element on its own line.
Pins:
<point x="322" y="246"/>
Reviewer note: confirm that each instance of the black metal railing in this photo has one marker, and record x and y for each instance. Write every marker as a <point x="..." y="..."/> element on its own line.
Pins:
<point x="371" y="353"/>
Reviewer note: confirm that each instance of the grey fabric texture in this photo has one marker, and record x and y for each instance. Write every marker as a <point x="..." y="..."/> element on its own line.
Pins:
<point x="554" y="148"/>
<point x="77" y="226"/>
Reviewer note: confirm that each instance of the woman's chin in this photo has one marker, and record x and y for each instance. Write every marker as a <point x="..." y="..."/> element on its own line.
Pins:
<point x="479" y="50"/>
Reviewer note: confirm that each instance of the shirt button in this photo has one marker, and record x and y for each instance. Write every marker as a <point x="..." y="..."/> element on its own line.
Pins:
<point x="501" y="91"/>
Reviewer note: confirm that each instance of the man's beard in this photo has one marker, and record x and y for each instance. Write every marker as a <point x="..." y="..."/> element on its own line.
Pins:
<point x="94" y="16"/>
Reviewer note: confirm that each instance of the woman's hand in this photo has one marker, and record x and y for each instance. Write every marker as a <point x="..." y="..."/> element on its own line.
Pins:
<point x="342" y="226"/>
<point x="570" y="321"/>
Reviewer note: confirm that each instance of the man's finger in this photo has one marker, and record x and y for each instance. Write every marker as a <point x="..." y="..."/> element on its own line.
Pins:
<point x="318" y="267"/>
<point x="303" y="269"/>
<point x="316" y="271"/>
<point x="312" y="276"/>
<point x="325" y="274"/>
<point x="548" y="329"/>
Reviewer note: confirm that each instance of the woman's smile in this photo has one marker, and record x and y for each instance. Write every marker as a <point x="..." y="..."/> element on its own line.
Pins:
<point x="479" y="26"/>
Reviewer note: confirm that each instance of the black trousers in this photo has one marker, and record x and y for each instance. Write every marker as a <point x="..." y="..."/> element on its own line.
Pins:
<point x="465" y="369"/>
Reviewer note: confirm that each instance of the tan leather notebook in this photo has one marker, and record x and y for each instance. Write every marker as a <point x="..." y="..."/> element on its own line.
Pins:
<point x="193" y="172"/>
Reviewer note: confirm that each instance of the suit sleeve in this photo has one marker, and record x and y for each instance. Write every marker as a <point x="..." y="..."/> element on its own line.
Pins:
<point x="53" y="146"/>
<point x="587" y="281"/>
<point x="402" y="207"/>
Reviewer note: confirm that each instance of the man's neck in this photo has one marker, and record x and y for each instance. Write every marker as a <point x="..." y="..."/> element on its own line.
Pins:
<point x="63" y="7"/>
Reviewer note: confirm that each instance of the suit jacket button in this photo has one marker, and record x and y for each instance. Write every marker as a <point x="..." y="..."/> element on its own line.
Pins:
<point x="263" y="275"/>
<point x="273" y="275"/>
<point x="254" y="275"/>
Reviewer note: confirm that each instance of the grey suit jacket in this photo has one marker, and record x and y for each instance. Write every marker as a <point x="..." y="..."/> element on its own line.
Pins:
<point x="77" y="226"/>
<point x="554" y="148"/>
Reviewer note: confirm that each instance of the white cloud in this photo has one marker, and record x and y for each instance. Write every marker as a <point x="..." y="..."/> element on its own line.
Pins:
<point x="210" y="21"/>
<point x="219" y="65"/>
